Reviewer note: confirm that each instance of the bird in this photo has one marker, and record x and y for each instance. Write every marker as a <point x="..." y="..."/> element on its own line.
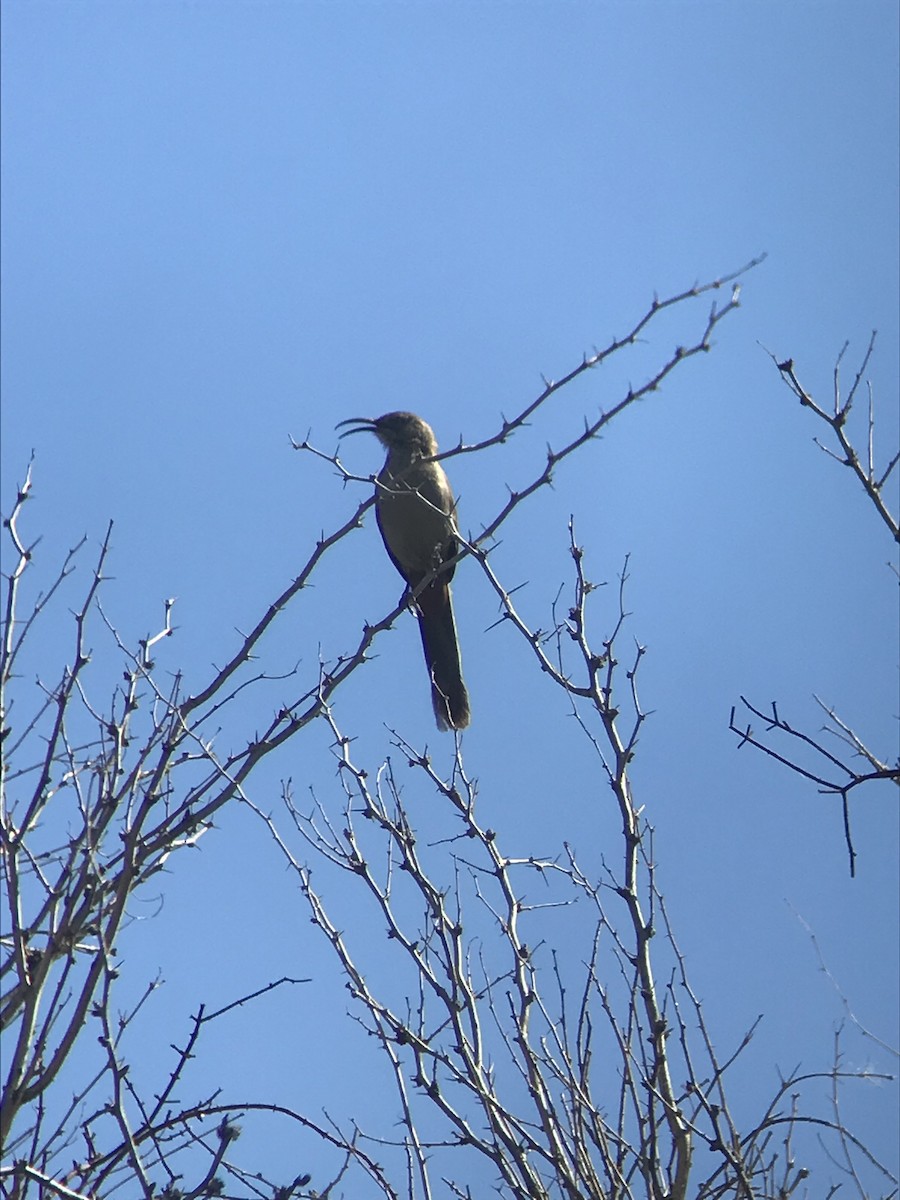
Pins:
<point x="416" y="515"/>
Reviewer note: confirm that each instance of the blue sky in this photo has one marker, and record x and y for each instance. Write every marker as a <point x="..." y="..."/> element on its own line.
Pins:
<point x="224" y="224"/>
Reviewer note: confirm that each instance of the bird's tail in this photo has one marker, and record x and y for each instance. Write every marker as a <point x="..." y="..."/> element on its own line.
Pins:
<point x="439" y="641"/>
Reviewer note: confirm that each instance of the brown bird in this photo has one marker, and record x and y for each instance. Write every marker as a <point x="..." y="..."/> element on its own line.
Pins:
<point x="417" y="517"/>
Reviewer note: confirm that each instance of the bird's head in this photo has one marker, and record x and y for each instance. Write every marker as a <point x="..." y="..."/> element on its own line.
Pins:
<point x="397" y="430"/>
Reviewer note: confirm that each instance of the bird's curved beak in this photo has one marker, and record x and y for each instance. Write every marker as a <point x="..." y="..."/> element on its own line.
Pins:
<point x="363" y="425"/>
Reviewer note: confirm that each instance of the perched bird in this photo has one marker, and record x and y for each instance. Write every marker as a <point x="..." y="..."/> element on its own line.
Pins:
<point x="417" y="518"/>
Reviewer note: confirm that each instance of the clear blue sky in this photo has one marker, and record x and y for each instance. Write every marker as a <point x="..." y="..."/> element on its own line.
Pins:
<point x="224" y="223"/>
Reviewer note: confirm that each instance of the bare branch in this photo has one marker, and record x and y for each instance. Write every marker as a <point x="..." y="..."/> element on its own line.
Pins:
<point x="507" y="984"/>
<point x="836" y="420"/>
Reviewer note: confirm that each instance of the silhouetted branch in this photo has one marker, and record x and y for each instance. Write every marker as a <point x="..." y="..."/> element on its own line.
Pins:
<point x="866" y="472"/>
<point x="832" y="774"/>
<point x="489" y="1031"/>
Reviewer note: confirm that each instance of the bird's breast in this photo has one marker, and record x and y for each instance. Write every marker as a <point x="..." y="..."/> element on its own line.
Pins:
<point x="415" y="517"/>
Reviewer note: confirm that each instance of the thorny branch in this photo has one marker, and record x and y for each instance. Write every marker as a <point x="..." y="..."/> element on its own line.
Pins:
<point x="98" y="797"/>
<point x="872" y="480"/>
<point x="500" y="1059"/>
<point x="832" y="773"/>
<point x="835" y="776"/>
